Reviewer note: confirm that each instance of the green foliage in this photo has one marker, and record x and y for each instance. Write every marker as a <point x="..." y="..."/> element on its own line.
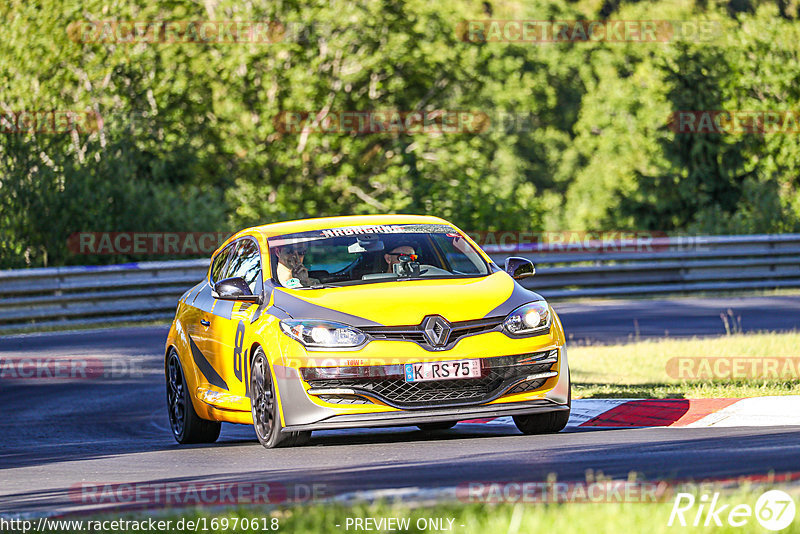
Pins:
<point x="578" y="139"/>
<point x="640" y="174"/>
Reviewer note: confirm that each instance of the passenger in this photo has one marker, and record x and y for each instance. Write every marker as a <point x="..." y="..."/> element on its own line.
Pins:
<point x="290" y="270"/>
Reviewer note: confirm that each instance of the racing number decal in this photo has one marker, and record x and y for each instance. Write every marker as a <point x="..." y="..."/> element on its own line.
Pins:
<point x="237" y="351"/>
<point x="240" y="358"/>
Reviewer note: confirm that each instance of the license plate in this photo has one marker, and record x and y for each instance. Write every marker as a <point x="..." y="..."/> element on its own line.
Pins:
<point x="453" y="370"/>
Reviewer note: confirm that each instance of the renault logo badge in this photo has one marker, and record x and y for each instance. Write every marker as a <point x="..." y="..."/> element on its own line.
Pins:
<point x="437" y="330"/>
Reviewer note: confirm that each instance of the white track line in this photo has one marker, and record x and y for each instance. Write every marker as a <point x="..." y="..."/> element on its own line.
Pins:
<point x="756" y="411"/>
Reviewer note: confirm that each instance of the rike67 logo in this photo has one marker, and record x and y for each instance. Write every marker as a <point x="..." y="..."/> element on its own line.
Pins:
<point x="774" y="510"/>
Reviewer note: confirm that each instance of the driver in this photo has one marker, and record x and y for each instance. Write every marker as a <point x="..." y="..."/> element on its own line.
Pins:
<point x="393" y="257"/>
<point x="290" y="269"/>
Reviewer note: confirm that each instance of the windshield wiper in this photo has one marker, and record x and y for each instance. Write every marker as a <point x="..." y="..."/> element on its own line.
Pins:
<point x="318" y="286"/>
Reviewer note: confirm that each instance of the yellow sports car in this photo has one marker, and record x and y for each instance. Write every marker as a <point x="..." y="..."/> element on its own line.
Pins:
<point x="361" y="321"/>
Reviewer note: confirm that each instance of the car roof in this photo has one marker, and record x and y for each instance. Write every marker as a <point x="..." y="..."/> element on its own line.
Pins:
<point x="321" y="223"/>
<point x="264" y="232"/>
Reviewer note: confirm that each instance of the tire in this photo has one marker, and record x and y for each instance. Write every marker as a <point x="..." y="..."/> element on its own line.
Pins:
<point x="186" y="425"/>
<point x="544" y="423"/>
<point x="266" y="419"/>
<point x="432" y="427"/>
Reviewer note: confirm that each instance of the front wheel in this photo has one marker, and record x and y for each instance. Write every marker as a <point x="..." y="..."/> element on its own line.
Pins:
<point x="544" y="423"/>
<point x="266" y="418"/>
<point x="186" y="425"/>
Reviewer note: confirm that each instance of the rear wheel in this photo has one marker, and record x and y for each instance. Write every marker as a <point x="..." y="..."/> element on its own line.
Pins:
<point x="432" y="427"/>
<point x="266" y="418"/>
<point x="186" y="425"/>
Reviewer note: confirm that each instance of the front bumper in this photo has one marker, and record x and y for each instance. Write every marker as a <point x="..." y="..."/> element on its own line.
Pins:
<point x="404" y="418"/>
<point x="303" y="411"/>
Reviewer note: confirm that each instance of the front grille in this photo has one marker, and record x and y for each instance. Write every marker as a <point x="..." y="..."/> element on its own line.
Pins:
<point x="497" y="375"/>
<point x="397" y="335"/>
<point x="416" y="334"/>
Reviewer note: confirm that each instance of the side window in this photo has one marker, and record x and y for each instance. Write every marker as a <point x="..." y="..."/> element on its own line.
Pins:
<point x="246" y="263"/>
<point x="220" y="260"/>
<point x="459" y="255"/>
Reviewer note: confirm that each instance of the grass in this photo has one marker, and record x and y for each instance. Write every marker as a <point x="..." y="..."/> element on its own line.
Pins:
<point x="467" y="518"/>
<point x="640" y="369"/>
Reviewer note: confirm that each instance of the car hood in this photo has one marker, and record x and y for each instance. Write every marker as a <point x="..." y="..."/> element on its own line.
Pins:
<point x="408" y="302"/>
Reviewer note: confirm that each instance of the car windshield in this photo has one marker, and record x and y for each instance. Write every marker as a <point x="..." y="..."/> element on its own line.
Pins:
<point x="370" y="254"/>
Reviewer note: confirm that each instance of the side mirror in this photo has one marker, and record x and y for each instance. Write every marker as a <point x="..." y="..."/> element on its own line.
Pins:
<point x="519" y="268"/>
<point x="234" y="289"/>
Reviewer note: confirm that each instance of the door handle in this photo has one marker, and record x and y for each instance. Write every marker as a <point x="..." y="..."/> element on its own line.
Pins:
<point x="204" y="322"/>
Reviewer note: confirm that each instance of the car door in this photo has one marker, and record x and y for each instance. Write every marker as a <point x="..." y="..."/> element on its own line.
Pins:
<point x="231" y="318"/>
<point x="201" y="322"/>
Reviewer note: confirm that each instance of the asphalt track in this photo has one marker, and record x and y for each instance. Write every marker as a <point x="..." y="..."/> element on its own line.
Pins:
<point x="59" y="434"/>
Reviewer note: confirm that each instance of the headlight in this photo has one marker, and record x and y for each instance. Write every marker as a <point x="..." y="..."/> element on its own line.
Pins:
<point x="529" y="319"/>
<point x="323" y="334"/>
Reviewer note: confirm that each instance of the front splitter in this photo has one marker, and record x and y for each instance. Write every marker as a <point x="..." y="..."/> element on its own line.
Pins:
<point x="437" y="415"/>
